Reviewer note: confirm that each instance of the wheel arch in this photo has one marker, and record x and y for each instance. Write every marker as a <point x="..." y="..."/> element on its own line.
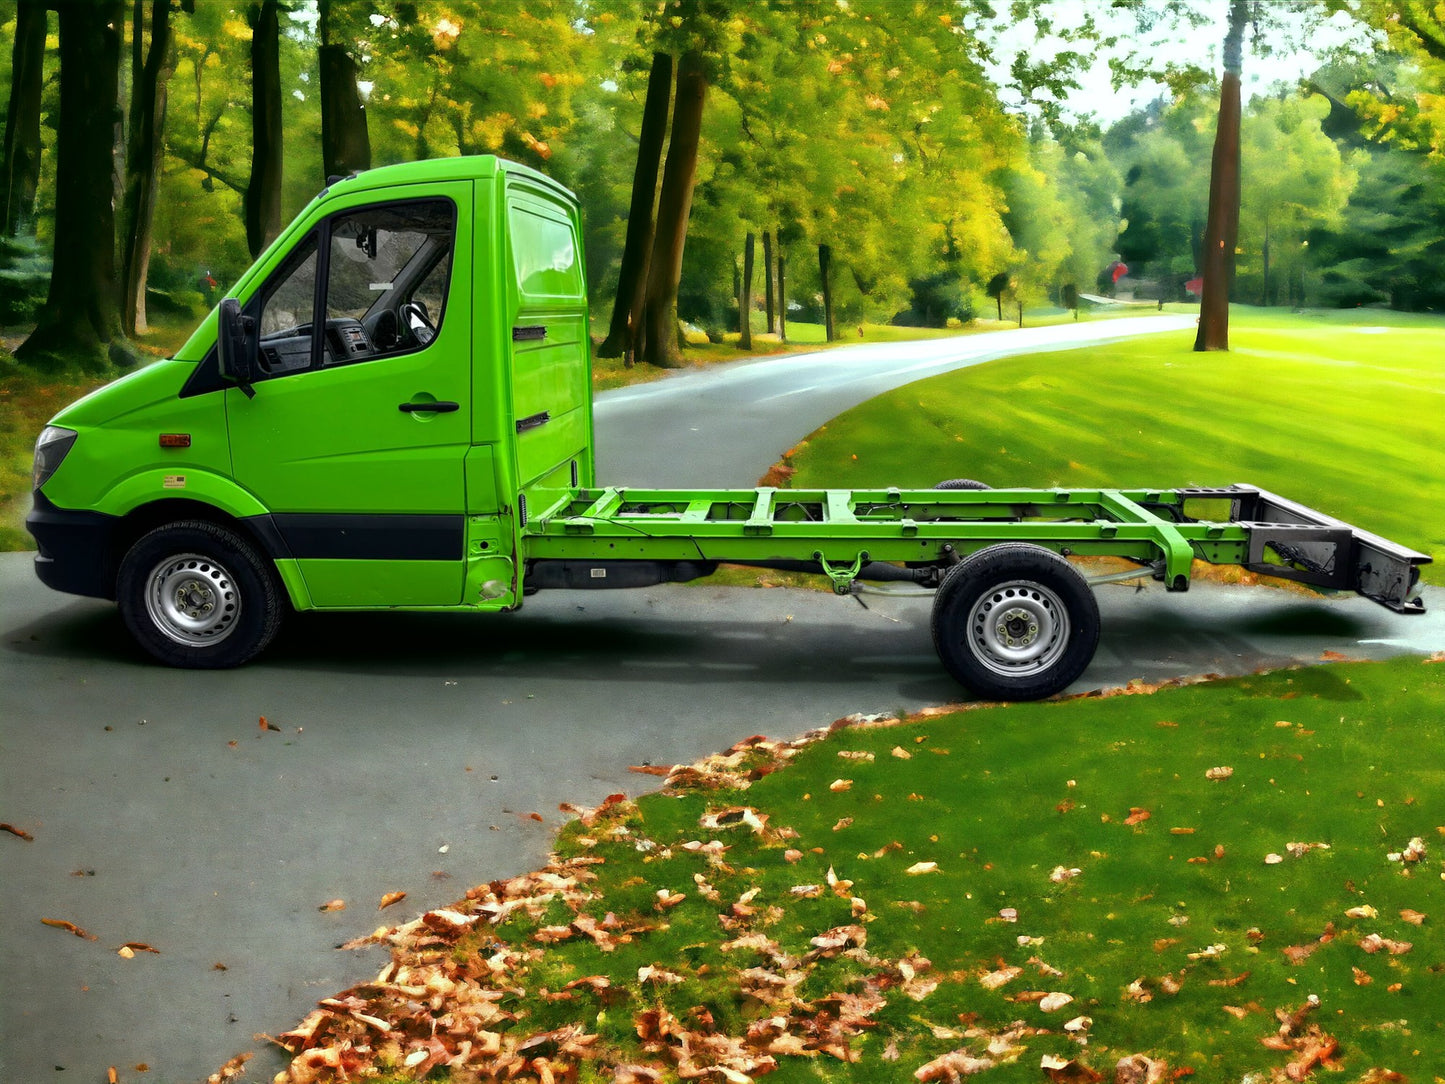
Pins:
<point x="257" y="529"/>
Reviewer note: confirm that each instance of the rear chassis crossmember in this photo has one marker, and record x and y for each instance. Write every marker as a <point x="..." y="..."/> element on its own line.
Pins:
<point x="844" y="533"/>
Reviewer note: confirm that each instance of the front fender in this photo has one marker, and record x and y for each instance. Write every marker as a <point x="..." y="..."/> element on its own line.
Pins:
<point x="207" y="487"/>
<point x="133" y="495"/>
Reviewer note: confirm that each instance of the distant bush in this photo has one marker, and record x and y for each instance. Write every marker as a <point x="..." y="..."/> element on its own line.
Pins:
<point x="24" y="279"/>
<point x="180" y="302"/>
<point x="937" y="300"/>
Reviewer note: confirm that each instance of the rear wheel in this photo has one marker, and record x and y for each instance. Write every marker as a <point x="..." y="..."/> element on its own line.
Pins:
<point x="1015" y="622"/>
<point x="198" y="595"/>
<point x="951" y="483"/>
<point x="963" y="483"/>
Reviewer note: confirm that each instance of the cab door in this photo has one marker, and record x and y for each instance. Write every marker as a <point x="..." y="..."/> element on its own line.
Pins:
<point x="361" y="419"/>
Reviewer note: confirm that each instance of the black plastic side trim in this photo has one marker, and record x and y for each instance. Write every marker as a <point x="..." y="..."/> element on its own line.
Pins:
<point x="529" y="334"/>
<point x="602" y="575"/>
<point x="369" y="537"/>
<point x="266" y="532"/>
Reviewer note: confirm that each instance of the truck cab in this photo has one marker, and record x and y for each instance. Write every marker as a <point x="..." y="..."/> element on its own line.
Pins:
<point x="360" y="424"/>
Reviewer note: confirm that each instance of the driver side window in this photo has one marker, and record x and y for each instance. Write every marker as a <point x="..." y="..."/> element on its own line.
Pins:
<point x="384" y="272"/>
<point x="382" y="295"/>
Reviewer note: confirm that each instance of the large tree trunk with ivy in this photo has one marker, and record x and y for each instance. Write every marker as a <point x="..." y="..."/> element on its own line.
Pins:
<point x="1221" y="232"/>
<point x="673" y="207"/>
<point x="150" y="71"/>
<point x="80" y="318"/>
<point x="262" y="202"/>
<point x="345" y="143"/>
<point x="636" y="250"/>
<point x="21" y="166"/>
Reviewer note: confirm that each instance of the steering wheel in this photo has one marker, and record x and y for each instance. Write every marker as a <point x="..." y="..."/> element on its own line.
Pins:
<point x="414" y="316"/>
<point x="386" y="330"/>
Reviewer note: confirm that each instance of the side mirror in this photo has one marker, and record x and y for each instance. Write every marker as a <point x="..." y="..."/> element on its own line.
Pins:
<point x="235" y="346"/>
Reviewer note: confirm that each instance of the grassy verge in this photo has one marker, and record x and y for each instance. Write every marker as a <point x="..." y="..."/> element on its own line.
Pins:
<point x="1342" y="411"/>
<point x="27" y="402"/>
<point x="29" y="399"/>
<point x="995" y="891"/>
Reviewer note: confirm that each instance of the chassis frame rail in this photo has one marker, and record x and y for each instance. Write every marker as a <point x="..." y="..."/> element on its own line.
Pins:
<point x="844" y="530"/>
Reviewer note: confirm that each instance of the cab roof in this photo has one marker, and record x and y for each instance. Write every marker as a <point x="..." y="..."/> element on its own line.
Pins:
<point x="473" y="167"/>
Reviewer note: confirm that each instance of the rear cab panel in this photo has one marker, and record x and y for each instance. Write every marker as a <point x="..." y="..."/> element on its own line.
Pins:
<point x="548" y="371"/>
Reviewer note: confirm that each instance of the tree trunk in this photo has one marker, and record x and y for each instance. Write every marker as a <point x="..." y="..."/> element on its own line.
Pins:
<point x="636" y="250"/>
<point x="345" y="144"/>
<point x="262" y="201"/>
<point x="1222" y="230"/>
<point x="21" y="165"/>
<point x="768" y="285"/>
<point x="1266" y="263"/>
<point x="825" y="262"/>
<point x="143" y="162"/>
<point x="745" y="297"/>
<point x="673" y="207"/>
<point x="80" y="318"/>
<point x="782" y="298"/>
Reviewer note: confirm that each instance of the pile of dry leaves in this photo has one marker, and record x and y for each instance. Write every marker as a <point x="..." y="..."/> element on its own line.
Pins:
<point x="433" y="1005"/>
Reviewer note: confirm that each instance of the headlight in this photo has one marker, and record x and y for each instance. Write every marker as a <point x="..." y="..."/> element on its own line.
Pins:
<point x="50" y="448"/>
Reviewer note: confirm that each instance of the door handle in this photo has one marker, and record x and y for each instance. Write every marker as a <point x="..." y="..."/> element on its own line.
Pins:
<point x="440" y="407"/>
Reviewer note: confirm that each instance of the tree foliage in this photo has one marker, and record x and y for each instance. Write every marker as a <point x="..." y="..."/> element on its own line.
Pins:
<point x="874" y="130"/>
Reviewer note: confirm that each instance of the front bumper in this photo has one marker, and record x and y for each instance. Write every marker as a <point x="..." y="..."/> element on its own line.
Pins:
<point x="76" y="552"/>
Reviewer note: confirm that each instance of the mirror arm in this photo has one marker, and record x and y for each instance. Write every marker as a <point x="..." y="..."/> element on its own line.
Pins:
<point x="234" y="332"/>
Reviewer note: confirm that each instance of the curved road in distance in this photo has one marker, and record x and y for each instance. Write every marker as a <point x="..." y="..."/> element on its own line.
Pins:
<point x="723" y="427"/>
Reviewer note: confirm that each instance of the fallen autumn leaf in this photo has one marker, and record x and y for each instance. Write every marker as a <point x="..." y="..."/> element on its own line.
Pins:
<point x="70" y="927"/>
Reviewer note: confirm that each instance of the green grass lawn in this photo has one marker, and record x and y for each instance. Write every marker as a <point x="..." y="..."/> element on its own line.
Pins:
<point x="909" y="892"/>
<point x="1342" y="411"/>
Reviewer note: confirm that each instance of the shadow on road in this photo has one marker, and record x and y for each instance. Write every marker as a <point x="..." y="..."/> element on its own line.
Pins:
<point x="696" y="637"/>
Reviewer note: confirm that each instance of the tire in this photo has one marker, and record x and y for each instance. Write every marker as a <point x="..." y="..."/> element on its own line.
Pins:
<point x="1015" y="622"/>
<point x="200" y="596"/>
<point x="962" y="483"/>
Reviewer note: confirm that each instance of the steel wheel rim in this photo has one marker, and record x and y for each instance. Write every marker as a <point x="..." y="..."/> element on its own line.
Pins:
<point x="1018" y="629"/>
<point x="193" y="600"/>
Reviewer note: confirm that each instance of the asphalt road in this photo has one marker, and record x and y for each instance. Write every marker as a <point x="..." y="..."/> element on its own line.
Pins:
<point x="412" y="745"/>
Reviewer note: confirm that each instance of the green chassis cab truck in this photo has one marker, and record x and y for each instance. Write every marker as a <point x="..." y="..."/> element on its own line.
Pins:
<point x="392" y="410"/>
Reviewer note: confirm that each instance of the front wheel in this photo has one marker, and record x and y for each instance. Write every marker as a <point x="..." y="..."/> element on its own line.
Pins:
<point x="1015" y="622"/>
<point x="198" y="595"/>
